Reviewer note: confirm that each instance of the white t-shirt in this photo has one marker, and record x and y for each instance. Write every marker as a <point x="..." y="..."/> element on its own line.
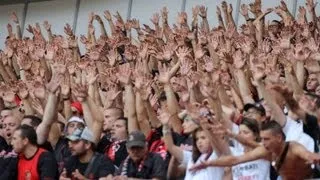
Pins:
<point x="253" y="170"/>
<point x="209" y="173"/>
<point x="294" y="132"/>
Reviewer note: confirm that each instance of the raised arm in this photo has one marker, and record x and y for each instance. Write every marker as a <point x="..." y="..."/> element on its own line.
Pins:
<point x="172" y="102"/>
<point x="108" y="16"/>
<point x="257" y="153"/>
<point x="102" y="27"/>
<point x="174" y="150"/>
<point x="124" y="77"/>
<point x="277" y="111"/>
<point x="15" y="19"/>
<point x="50" y="110"/>
<point x="300" y="151"/>
<point x="47" y="26"/>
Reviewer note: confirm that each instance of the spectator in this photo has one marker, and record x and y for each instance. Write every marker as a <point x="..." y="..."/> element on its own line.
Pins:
<point x="140" y="163"/>
<point x="33" y="162"/>
<point x="85" y="162"/>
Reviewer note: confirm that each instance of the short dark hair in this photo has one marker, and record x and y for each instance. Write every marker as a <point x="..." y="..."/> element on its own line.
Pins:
<point x="253" y="125"/>
<point x="274" y="127"/>
<point x="125" y="120"/>
<point x="35" y="121"/>
<point x="29" y="133"/>
<point x="7" y="108"/>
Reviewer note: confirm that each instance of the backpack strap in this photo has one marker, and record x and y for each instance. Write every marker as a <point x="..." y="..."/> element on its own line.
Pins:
<point x="90" y="165"/>
<point x="282" y="157"/>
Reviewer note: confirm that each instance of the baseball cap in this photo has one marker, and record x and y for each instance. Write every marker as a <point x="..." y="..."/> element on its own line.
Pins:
<point x="81" y="134"/>
<point x="76" y="119"/>
<point x="136" y="139"/>
<point x="259" y="107"/>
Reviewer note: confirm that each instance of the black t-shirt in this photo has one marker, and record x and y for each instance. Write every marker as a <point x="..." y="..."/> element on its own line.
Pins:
<point x="47" y="146"/>
<point x="152" y="167"/>
<point x="3" y="144"/>
<point x="62" y="152"/>
<point x="101" y="166"/>
<point x="47" y="166"/>
<point x="115" y="151"/>
<point x="183" y="141"/>
<point x="104" y="142"/>
<point x="8" y="166"/>
<point x="312" y="129"/>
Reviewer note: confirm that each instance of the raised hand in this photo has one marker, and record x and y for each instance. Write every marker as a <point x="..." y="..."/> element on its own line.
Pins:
<point x="36" y="105"/>
<point x="68" y="30"/>
<point x="30" y="29"/>
<point x="107" y="15"/>
<point x="155" y="19"/>
<point x="199" y="52"/>
<point x="165" y="74"/>
<point x="143" y="85"/>
<point x="164" y="13"/>
<point x="238" y="59"/>
<point x="135" y="24"/>
<point x="124" y="74"/>
<point x="244" y="10"/>
<point x="54" y="83"/>
<point x="168" y="52"/>
<point x="92" y="75"/>
<point x="301" y="53"/>
<point x="65" y="86"/>
<point x="24" y="62"/>
<point x="185" y="67"/>
<point x="230" y="9"/>
<point x="7" y="93"/>
<point x="9" y="28"/>
<point x="195" y="12"/>
<point x="203" y="11"/>
<point x="311" y="5"/>
<point x="247" y="46"/>
<point x="91" y="17"/>
<point x="91" y="29"/>
<point x="283" y="6"/>
<point x="22" y="90"/>
<point x="257" y="68"/>
<point x="218" y="11"/>
<point x="39" y="89"/>
<point x="80" y="92"/>
<point x="301" y="15"/>
<point x="255" y="7"/>
<point x="14" y="17"/>
<point x="46" y="25"/>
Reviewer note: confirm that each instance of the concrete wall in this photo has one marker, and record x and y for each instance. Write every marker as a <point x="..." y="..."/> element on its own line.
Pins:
<point x="75" y="12"/>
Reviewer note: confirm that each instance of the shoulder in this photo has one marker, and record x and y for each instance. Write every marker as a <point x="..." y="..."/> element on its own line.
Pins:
<point x="46" y="157"/>
<point x="154" y="156"/>
<point x="102" y="158"/>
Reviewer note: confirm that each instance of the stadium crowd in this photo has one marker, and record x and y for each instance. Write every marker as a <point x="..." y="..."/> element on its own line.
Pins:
<point x="186" y="101"/>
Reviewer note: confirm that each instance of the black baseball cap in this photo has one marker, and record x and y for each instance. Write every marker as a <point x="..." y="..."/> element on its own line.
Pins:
<point x="136" y="139"/>
<point x="259" y="107"/>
